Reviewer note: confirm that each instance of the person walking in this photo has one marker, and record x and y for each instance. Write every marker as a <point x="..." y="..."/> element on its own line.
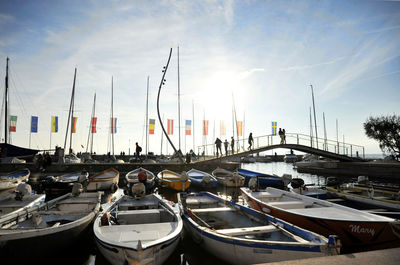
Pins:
<point x="251" y="141"/>
<point x="233" y="145"/>
<point x="226" y="144"/>
<point x="218" y="143"/>
<point x="137" y="153"/>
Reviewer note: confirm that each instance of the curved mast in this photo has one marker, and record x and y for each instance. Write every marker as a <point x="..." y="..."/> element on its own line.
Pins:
<point x="158" y="106"/>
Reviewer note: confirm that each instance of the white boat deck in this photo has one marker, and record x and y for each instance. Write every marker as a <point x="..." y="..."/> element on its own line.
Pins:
<point x="133" y="233"/>
<point x="314" y="207"/>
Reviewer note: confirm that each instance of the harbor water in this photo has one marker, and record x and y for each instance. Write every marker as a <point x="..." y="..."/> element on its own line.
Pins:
<point x="188" y="252"/>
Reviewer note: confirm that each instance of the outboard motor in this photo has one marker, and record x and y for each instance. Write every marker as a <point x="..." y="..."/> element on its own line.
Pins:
<point x="253" y="185"/>
<point x="184" y="176"/>
<point x="22" y="190"/>
<point x="286" y="178"/>
<point x="77" y="189"/>
<point x="236" y="178"/>
<point x="206" y="179"/>
<point x="138" y="191"/>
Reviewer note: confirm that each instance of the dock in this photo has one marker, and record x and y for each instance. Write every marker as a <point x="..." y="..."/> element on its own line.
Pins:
<point x="386" y="256"/>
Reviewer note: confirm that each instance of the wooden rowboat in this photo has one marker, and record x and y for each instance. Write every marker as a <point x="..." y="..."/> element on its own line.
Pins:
<point x="240" y="235"/>
<point x="173" y="180"/>
<point x="138" y="231"/>
<point x="202" y="179"/>
<point x="11" y="180"/>
<point x="357" y="230"/>
<point x="105" y="180"/>
<point x="133" y="177"/>
<point x="228" y="178"/>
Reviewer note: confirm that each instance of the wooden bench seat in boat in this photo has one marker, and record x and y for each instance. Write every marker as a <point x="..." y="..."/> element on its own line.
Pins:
<point x="130" y="205"/>
<point x="140" y="216"/>
<point x="135" y="232"/>
<point x="248" y="230"/>
<point x="267" y="195"/>
<point x="211" y="210"/>
<point x="291" y="204"/>
<point x="200" y="200"/>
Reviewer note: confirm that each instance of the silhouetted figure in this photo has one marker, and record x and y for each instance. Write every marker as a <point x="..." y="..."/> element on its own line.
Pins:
<point x="251" y="140"/>
<point x="281" y="135"/>
<point x="137" y="153"/>
<point x="284" y="136"/>
<point x="233" y="145"/>
<point x="226" y="144"/>
<point x="218" y="143"/>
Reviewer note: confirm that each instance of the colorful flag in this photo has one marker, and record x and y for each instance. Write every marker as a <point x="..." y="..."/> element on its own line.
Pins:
<point x="152" y="126"/>
<point x="222" y="127"/>
<point x="113" y="125"/>
<point x="54" y="124"/>
<point x="13" y="123"/>
<point x="188" y="127"/>
<point x="205" y="127"/>
<point x="34" y="124"/>
<point x="94" y="123"/>
<point x="74" y="121"/>
<point x="170" y="127"/>
<point x="240" y="128"/>
<point x="274" y="125"/>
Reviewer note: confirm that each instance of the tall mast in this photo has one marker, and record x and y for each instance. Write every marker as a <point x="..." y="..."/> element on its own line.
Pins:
<point x="112" y="115"/>
<point x="90" y="135"/>
<point x="179" y="105"/>
<point x="325" y="136"/>
<point x="147" y="115"/>
<point x="311" y="133"/>
<point x="70" y="117"/>
<point x="315" y="118"/>
<point x="193" y="126"/>
<point x="6" y="106"/>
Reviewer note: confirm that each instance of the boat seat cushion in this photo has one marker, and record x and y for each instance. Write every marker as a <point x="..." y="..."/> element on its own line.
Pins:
<point x="291" y="204"/>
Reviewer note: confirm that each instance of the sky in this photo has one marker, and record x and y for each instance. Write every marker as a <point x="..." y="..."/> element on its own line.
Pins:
<point x="259" y="56"/>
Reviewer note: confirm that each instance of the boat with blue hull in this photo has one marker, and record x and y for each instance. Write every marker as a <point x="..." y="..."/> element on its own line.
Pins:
<point x="13" y="179"/>
<point x="240" y="235"/>
<point x="264" y="180"/>
<point x="202" y="179"/>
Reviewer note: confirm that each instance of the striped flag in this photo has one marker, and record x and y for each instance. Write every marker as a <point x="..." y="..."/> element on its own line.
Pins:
<point x="274" y="125"/>
<point x="240" y="128"/>
<point x="54" y="124"/>
<point x="188" y="127"/>
<point x="113" y="125"/>
<point x="170" y="127"/>
<point x="205" y="127"/>
<point x="222" y="127"/>
<point x="13" y="123"/>
<point x="94" y="123"/>
<point x="152" y="126"/>
<point x="34" y="124"/>
<point x="74" y="121"/>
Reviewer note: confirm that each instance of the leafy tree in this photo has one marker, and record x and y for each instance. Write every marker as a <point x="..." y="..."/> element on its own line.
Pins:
<point x="386" y="130"/>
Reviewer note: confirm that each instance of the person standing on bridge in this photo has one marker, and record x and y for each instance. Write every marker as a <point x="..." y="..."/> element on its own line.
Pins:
<point x="226" y="144"/>
<point x="281" y="135"/>
<point x="251" y="140"/>
<point x="284" y="136"/>
<point x="218" y="143"/>
<point x="233" y="145"/>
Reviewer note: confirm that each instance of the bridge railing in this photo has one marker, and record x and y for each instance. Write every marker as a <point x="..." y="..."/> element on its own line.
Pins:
<point x="241" y="145"/>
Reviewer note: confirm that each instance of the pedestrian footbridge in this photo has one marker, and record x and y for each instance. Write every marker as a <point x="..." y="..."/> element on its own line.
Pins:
<point x="341" y="151"/>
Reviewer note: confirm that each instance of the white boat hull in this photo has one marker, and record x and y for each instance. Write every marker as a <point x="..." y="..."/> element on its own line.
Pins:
<point x="155" y="255"/>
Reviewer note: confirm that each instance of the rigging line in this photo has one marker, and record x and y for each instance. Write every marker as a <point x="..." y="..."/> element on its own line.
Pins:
<point x="25" y="116"/>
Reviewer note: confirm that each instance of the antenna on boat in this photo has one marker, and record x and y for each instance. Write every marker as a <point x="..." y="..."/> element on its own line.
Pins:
<point x="165" y="68"/>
